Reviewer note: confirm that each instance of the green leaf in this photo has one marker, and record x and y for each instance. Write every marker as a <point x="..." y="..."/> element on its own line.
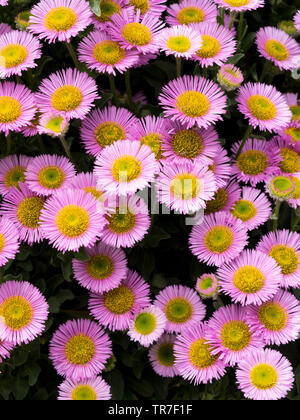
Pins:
<point x="20" y="388"/>
<point x="95" y="6"/>
<point x="236" y="58"/>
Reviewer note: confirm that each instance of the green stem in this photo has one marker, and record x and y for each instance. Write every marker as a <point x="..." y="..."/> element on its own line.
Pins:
<point x="246" y="136"/>
<point x="8" y="144"/>
<point x="241" y="25"/>
<point x="65" y="146"/>
<point x="205" y="72"/>
<point x="73" y="54"/>
<point x="128" y="90"/>
<point x="264" y="71"/>
<point x="113" y="89"/>
<point x="275" y="216"/>
<point x="41" y="143"/>
<point x="231" y="19"/>
<point x="178" y="66"/>
<point x="222" y="15"/>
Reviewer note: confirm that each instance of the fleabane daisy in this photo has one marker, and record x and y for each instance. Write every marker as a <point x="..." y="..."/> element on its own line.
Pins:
<point x="152" y="131"/>
<point x="252" y="278"/>
<point x="230" y="77"/>
<point x="187" y="12"/>
<point x="182" y="307"/>
<point x="193" y="100"/>
<point x="294" y="200"/>
<point x="22" y="20"/>
<point x="297" y="20"/>
<point x="264" y="106"/>
<point x="12" y="171"/>
<point x="207" y="286"/>
<point x="253" y="208"/>
<point x="240" y="5"/>
<point x="59" y="20"/>
<point x="88" y="183"/>
<point x="147" y="326"/>
<point x="23" y="312"/>
<point x="104" y="127"/>
<point x="193" y="356"/>
<point x="289" y="158"/>
<point x="292" y="134"/>
<point x="221" y="167"/>
<point x="281" y="187"/>
<point x="294" y="103"/>
<point x="108" y="8"/>
<point x="224" y="198"/>
<point x="155" y="7"/>
<point x="180" y="41"/>
<point x="265" y="375"/>
<point x="284" y="247"/>
<point x="53" y="124"/>
<point x="95" y="389"/>
<point x="18" y="52"/>
<point x="115" y="309"/>
<point x="162" y="358"/>
<point x="277" y="46"/>
<point x="68" y="92"/>
<point x="4" y="28"/>
<point x="288" y="27"/>
<point x="9" y="241"/>
<point x="104" y="269"/>
<point x="79" y="349"/>
<point x="48" y="174"/>
<point x="219" y="239"/>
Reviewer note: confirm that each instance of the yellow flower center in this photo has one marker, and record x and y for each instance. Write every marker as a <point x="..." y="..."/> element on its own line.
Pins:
<point x="277" y="50"/>
<point x="210" y="47"/>
<point x="264" y="376"/>
<point x="193" y="104"/>
<point x="282" y="186"/>
<point x="142" y="5"/>
<point x="145" y="323"/>
<point x="262" y="107"/>
<point x="237" y="3"/>
<point x="249" y="279"/>
<point x="108" y="8"/>
<point x="10" y="109"/>
<point x="119" y="222"/>
<point x="244" y="210"/>
<point x="273" y="315"/>
<point x="66" y="98"/>
<point x="218" y="202"/>
<point x="296" y="194"/>
<point x="126" y="169"/>
<point x="55" y="124"/>
<point x="100" y="267"/>
<point x="29" y="212"/>
<point x="165" y="355"/>
<point x="108" y="52"/>
<point x="200" y="354"/>
<point x="96" y="193"/>
<point x="206" y="283"/>
<point x="178" y="310"/>
<point x="218" y="239"/>
<point x="290" y="161"/>
<point x="185" y="186"/>
<point x="294" y="132"/>
<point x="13" y="55"/>
<point x="235" y="335"/>
<point x="187" y="144"/>
<point x="108" y="132"/>
<point x="180" y="44"/>
<point x="51" y="177"/>
<point x="296" y="112"/>
<point x="2" y="242"/>
<point x="13" y="176"/>
<point x="137" y="34"/>
<point x="80" y="350"/>
<point x="84" y="393"/>
<point x="17" y="312"/>
<point x="286" y="257"/>
<point x="253" y="162"/>
<point x="60" y="19"/>
<point x="189" y="15"/>
<point x="72" y="221"/>
<point x="120" y="300"/>
<point x="153" y="140"/>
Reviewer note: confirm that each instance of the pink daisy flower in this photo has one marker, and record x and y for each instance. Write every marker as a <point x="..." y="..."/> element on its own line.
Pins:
<point x="187" y="12"/>
<point x="125" y="167"/>
<point x="18" y="52"/>
<point x="264" y="107"/>
<point x="12" y="171"/>
<point x="294" y="104"/>
<point x="289" y="158"/>
<point x="277" y="46"/>
<point x="68" y="92"/>
<point x="147" y="326"/>
<point x="219" y="239"/>
<point x="256" y="163"/>
<point x="23" y="207"/>
<point x="162" y="358"/>
<point x="284" y="247"/>
<point x="253" y="209"/>
<point x="193" y="356"/>
<point x="108" y="8"/>
<point x="104" y="127"/>
<point x="59" y="20"/>
<point x="155" y="7"/>
<point x="265" y="375"/>
<point x="5" y="348"/>
<point x="230" y="334"/>
<point x="294" y="201"/>
<point x="207" y="286"/>
<point x="115" y="309"/>
<point x="23" y="312"/>
<point x="193" y="100"/>
<point x="84" y="390"/>
<point x="152" y="131"/>
<point x="53" y="124"/>
<point x="180" y="41"/>
<point x="297" y="20"/>
<point x="79" y="349"/>
<point x="252" y="278"/>
<point x="17" y="107"/>
<point x="221" y="167"/>
<point x="48" y="174"/>
<point x="230" y="77"/>
<point x="278" y="320"/>
<point x="182" y="307"/>
<point x="9" y="241"/>
<point x="240" y="5"/>
<point x="224" y="198"/>
<point x="4" y="28"/>
<point x="88" y="183"/>
<point x="71" y="219"/>
<point x="104" y="270"/>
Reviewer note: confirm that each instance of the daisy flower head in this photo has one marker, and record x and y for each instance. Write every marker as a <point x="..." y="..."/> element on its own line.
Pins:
<point x="152" y="131"/>
<point x="252" y="278"/>
<point x="182" y="307"/>
<point x="294" y="104"/>
<point x="162" y="356"/>
<point x="288" y="27"/>
<point x="297" y="20"/>
<point x="104" y="55"/>
<point x="289" y="158"/>
<point x="185" y="187"/>
<point x="193" y="100"/>
<point x="4" y="28"/>
<point x="69" y="92"/>
<point x="155" y="7"/>
<point x="59" y="20"/>
<point x="104" y="270"/>
<point x="115" y="309"/>
<point x="95" y="389"/>
<point x="181" y="41"/>
<point x="240" y="5"/>
<point x="127" y="223"/>
<point x="48" y="174"/>
<point x="71" y="219"/>
<point x="219" y="239"/>
<point x="277" y="46"/>
<point x="221" y="167"/>
<point x="125" y="167"/>
<point x="224" y="198"/>
<point x="23" y="312"/>
<point x="9" y="241"/>
<point x="22" y="20"/>
<point x="256" y="163"/>
<point x="294" y="201"/>
<point x="88" y="183"/>
<point x="23" y="207"/>
<point x="53" y="124"/>
<point x="264" y="107"/>
<point x="281" y="187"/>
<point x="17" y="107"/>
<point x="207" y="286"/>
<point x="292" y="134"/>
<point x="108" y="8"/>
<point x="218" y="44"/>
<point x="79" y="349"/>
<point x="265" y="375"/>
<point x="147" y="326"/>
<point x="253" y="208"/>
<point x="194" y="359"/>
<point x="12" y="171"/>
<point x="230" y="77"/>
<point x="104" y="127"/>
<point x="284" y="247"/>
<point x="187" y="12"/>
<point x="18" y="52"/>
<point x="230" y="334"/>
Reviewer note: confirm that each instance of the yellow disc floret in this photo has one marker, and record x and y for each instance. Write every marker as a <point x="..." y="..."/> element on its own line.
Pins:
<point x="17" y="312"/>
<point x="249" y="279"/>
<point x="290" y="161"/>
<point x="187" y="144"/>
<point x="13" y="55"/>
<point x="145" y="323"/>
<point x="84" y="393"/>
<point x="29" y="211"/>
<point x="119" y="300"/>
<point x="235" y="335"/>
<point x="108" y="132"/>
<point x="253" y="162"/>
<point x="273" y="316"/>
<point x="66" y="98"/>
<point x="277" y="50"/>
<point x="137" y="34"/>
<point x="108" y="8"/>
<point x="185" y="186"/>
<point x="10" y="109"/>
<point x="154" y="141"/>
<point x="286" y="257"/>
<point x="200" y="354"/>
<point x="51" y="177"/>
<point x="72" y="221"/>
<point x="180" y="44"/>
<point x="80" y="350"/>
<point x="178" y="310"/>
<point x="237" y="3"/>
<point x="142" y="5"/>
<point x="100" y="267"/>
<point x="126" y="169"/>
<point x="2" y="242"/>
<point x="264" y="376"/>
<point x="13" y="176"/>
<point x="189" y="15"/>
<point x="60" y="19"/>
<point x="108" y="52"/>
<point x="165" y="354"/>
<point x="121" y="222"/>
<point x="262" y="107"/>
<point x="210" y="47"/>
<point x="193" y="104"/>
<point x="218" y="202"/>
<point x="218" y="239"/>
<point x="244" y="210"/>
